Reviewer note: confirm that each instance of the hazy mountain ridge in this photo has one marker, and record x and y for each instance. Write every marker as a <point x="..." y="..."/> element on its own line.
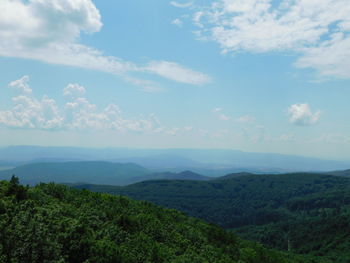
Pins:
<point x="176" y="160"/>
<point x="72" y="172"/>
<point x="92" y="172"/>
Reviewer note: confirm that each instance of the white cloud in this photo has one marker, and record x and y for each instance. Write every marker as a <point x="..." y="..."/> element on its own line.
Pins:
<point x="177" y="72"/>
<point x="332" y="58"/>
<point x="74" y="90"/>
<point x="49" y="31"/>
<point x="301" y="114"/>
<point x="29" y="112"/>
<point x="32" y="113"/>
<point x="44" y="22"/>
<point x="78" y="113"/>
<point x="181" y="5"/>
<point x="308" y="28"/>
<point x="21" y="85"/>
<point x="177" y="22"/>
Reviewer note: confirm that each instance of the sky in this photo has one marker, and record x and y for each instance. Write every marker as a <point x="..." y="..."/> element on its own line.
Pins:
<point x="250" y="75"/>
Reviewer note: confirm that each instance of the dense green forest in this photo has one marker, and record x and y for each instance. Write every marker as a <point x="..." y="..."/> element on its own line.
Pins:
<point x="304" y="213"/>
<point x="318" y="224"/>
<point x="53" y="223"/>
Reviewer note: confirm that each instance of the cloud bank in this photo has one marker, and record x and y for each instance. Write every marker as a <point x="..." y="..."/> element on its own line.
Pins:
<point x="77" y="113"/>
<point x="49" y="31"/>
<point x="318" y="31"/>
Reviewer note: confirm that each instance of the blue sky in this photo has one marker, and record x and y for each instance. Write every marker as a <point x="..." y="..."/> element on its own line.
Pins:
<point x="253" y="75"/>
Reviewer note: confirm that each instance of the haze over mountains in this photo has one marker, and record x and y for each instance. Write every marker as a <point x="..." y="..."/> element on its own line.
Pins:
<point x="92" y="172"/>
<point x="279" y="210"/>
<point x="203" y="161"/>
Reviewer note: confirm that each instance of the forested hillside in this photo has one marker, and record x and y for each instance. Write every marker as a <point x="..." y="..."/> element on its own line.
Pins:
<point x="230" y="201"/>
<point x="305" y="213"/>
<point x="52" y="223"/>
<point x="317" y="224"/>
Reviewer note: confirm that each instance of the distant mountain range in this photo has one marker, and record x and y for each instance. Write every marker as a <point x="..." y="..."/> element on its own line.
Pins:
<point x="73" y="172"/>
<point x="206" y="162"/>
<point x="93" y="172"/>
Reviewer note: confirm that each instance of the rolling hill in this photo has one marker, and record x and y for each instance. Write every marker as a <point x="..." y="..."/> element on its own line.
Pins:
<point x="231" y="201"/>
<point x="185" y="175"/>
<point x="287" y="211"/>
<point x="51" y="223"/>
<point x="340" y="173"/>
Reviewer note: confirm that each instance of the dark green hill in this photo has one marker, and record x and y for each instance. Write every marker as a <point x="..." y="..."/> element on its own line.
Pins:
<point x="74" y="172"/>
<point x="340" y="173"/>
<point x="307" y="213"/>
<point x="52" y="223"/>
<point x="231" y="201"/>
<point x="317" y="224"/>
<point x="185" y="175"/>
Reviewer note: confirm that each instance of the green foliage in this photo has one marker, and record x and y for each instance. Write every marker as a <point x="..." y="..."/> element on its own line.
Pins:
<point x="318" y="224"/>
<point x="234" y="201"/>
<point x="303" y="213"/>
<point x="52" y="223"/>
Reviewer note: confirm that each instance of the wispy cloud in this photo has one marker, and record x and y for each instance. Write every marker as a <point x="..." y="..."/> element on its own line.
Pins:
<point x="49" y="30"/>
<point x="176" y="72"/>
<point x="177" y="22"/>
<point x="181" y="5"/>
<point x="317" y="31"/>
